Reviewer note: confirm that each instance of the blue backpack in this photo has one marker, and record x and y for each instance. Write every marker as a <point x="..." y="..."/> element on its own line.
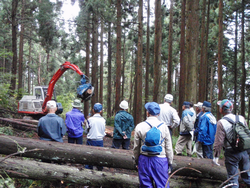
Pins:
<point x="153" y="141"/>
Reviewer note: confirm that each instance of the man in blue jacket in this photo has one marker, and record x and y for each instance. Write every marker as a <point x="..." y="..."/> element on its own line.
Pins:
<point x="51" y="127"/>
<point x="207" y="130"/>
<point x="124" y="125"/>
<point x="74" y="122"/>
<point x="186" y="126"/>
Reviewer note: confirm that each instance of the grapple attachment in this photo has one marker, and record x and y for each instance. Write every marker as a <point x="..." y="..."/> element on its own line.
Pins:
<point x="85" y="91"/>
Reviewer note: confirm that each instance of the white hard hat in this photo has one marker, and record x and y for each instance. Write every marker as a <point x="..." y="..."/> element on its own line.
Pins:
<point x="51" y="104"/>
<point x="199" y="105"/>
<point x="124" y="105"/>
<point x="168" y="98"/>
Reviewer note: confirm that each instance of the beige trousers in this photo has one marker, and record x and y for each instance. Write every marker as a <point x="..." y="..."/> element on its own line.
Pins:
<point x="182" y="142"/>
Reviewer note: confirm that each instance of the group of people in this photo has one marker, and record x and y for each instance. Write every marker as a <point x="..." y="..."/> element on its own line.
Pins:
<point x="154" y="163"/>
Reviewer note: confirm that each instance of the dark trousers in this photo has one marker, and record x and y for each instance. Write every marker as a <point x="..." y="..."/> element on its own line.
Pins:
<point x="207" y="151"/>
<point x="124" y="142"/>
<point x="78" y="140"/>
<point x="94" y="143"/>
<point x="233" y="162"/>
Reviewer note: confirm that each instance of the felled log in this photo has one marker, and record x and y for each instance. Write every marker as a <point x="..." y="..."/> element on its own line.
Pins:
<point x="205" y="166"/>
<point x="51" y="172"/>
<point x="17" y="168"/>
<point x="108" y="157"/>
<point x="64" y="152"/>
<point x="18" y="125"/>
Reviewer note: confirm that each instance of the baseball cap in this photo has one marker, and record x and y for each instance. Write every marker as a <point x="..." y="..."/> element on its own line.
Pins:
<point x="51" y="104"/>
<point x="97" y="107"/>
<point x="186" y="103"/>
<point x="153" y="108"/>
<point x="124" y="105"/>
<point x="226" y="104"/>
<point x="168" y="98"/>
<point x="206" y="104"/>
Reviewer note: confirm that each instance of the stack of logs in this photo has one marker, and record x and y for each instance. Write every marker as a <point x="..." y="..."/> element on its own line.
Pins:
<point x="194" y="172"/>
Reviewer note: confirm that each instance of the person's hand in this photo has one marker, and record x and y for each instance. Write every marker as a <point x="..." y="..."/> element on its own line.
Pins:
<point x="125" y="136"/>
<point x="215" y="161"/>
<point x="170" y="168"/>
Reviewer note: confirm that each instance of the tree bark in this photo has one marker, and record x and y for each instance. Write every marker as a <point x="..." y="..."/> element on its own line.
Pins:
<point x="147" y="59"/>
<point x="20" y="66"/>
<point x="170" y="48"/>
<point x="203" y="66"/>
<point x="18" y="125"/>
<point x="14" y="46"/>
<point x="64" y="152"/>
<point x="86" y="103"/>
<point x="52" y="172"/>
<point x="220" y="48"/>
<point x="192" y="49"/>
<point x="157" y="50"/>
<point x="94" y="73"/>
<point x="235" y="60"/>
<point x="101" y="65"/>
<point x="206" y="47"/>
<point x="99" y="156"/>
<point x="138" y="89"/>
<point x="118" y="55"/>
<point x="109" y="93"/>
<point x="243" y="78"/>
<point x="182" y="56"/>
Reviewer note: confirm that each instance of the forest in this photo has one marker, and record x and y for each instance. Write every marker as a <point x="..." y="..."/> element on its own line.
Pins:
<point x="130" y="49"/>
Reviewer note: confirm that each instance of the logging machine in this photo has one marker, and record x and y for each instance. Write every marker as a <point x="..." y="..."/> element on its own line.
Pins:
<point x="35" y="105"/>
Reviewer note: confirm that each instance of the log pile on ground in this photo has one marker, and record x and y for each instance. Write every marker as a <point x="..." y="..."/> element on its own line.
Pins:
<point x="97" y="156"/>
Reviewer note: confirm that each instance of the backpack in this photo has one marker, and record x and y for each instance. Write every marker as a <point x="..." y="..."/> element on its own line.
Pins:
<point x="241" y="135"/>
<point x="153" y="141"/>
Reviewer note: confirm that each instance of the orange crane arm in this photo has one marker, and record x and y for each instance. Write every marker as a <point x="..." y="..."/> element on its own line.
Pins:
<point x="67" y="65"/>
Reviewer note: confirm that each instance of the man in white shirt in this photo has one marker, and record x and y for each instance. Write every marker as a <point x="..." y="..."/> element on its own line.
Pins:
<point x="96" y="130"/>
<point x="168" y="114"/>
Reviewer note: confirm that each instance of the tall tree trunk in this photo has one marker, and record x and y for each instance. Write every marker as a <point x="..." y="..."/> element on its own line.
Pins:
<point x="170" y="48"/>
<point x="192" y="48"/>
<point x="211" y="85"/>
<point x="203" y="66"/>
<point x="157" y="50"/>
<point x="87" y="63"/>
<point x="39" y="69"/>
<point x="14" y="46"/>
<point x="28" y="65"/>
<point x="220" y="47"/>
<point x="118" y="55"/>
<point x="243" y="78"/>
<point x="235" y="61"/>
<point x="147" y="59"/>
<point x="123" y="65"/>
<point x="206" y="47"/>
<point x="138" y="93"/>
<point x="182" y="55"/>
<point x="101" y="65"/>
<point x="20" y="66"/>
<point x="109" y="93"/>
<point x="95" y="57"/>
